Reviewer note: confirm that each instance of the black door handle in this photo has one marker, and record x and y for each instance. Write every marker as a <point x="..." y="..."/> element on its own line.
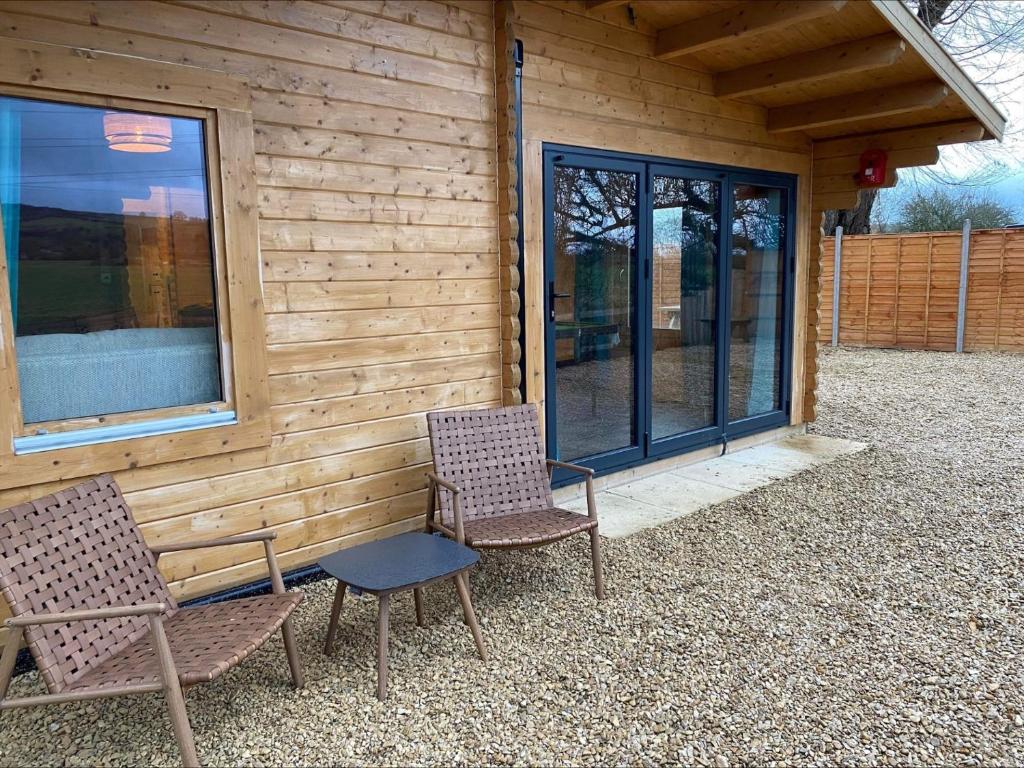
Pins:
<point x="552" y="295"/>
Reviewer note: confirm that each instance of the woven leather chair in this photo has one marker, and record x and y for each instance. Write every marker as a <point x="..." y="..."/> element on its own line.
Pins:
<point x="493" y="484"/>
<point x="86" y="594"/>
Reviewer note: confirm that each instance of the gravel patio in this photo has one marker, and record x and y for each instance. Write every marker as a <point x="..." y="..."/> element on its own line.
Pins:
<point x="865" y="612"/>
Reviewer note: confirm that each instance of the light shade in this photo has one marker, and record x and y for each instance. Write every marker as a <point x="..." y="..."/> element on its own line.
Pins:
<point x="134" y="132"/>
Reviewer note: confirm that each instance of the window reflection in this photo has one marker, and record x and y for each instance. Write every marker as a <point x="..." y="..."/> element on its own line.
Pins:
<point x="106" y="225"/>
<point x="595" y="234"/>
<point x="755" y="354"/>
<point x="685" y="251"/>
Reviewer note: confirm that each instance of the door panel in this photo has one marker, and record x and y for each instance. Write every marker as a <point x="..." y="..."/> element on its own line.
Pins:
<point x="668" y="305"/>
<point x="685" y="237"/>
<point x="757" y="269"/>
<point x="593" y="305"/>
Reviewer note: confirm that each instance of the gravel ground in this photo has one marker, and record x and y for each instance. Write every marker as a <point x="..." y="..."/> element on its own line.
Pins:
<point x="866" y="612"/>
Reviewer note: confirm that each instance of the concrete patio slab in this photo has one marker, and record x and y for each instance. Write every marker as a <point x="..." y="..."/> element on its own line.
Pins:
<point x="658" y="499"/>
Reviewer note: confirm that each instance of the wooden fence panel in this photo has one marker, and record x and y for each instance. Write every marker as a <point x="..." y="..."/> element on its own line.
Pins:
<point x="902" y="290"/>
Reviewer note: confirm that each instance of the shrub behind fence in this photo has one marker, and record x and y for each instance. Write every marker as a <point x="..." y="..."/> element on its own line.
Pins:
<point x="903" y="290"/>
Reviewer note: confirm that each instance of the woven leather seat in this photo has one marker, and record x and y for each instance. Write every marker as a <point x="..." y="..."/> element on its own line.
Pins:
<point x="205" y="641"/>
<point x="492" y="483"/>
<point x="526" y="529"/>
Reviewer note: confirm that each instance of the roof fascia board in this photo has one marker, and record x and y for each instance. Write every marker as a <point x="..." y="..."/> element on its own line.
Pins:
<point x="913" y="30"/>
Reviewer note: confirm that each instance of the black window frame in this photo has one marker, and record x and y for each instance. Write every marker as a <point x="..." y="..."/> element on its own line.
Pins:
<point x="723" y="431"/>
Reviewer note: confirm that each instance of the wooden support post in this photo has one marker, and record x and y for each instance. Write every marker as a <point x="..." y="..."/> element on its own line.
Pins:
<point x="835" y="286"/>
<point x="896" y="308"/>
<point x="961" y="306"/>
<point x="999" y="292"/>
<point x="928" y="289"/>
<point x="867" y="293"/>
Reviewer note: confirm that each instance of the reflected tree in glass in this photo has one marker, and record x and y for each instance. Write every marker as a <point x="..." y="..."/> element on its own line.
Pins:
<point x="757" y="264"/>
<point x="685" y="255"/>
<point x="595" y="233"/>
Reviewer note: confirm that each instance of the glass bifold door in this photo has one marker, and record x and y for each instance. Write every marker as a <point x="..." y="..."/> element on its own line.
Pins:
<point x="668" y="308"/>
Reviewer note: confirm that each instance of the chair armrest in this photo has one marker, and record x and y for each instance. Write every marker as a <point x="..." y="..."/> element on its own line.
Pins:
<point x="242" y="538"/>
<point x="460" y="534"/>
<point x="93" y="614"/>
<point x="588" y="476"/>
<point x="444" y="483"/>
<point x="571" y="467"/>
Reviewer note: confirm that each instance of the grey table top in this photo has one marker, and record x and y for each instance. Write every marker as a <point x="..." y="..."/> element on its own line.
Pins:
<point x="399" y="562"/>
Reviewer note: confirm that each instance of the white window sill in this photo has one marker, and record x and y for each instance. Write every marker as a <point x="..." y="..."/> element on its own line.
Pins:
<point x="80" y="437"/>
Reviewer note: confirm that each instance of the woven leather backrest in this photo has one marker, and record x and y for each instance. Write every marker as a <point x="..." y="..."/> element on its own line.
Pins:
<point x="79" y="548"/>
<point x="495" y="456"/>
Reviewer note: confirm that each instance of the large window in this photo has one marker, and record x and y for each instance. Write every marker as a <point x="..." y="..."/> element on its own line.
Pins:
<point x="132" y="330"/>
<point x="110" y="260"/>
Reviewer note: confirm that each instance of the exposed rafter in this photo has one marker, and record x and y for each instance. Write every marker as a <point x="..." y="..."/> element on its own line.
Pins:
<point x="857" y="56"/>
<point x="601" y="5"/>
<point x="863" y="105"/>
<point x="734" y="23"/>
<point x="937" y="134"/>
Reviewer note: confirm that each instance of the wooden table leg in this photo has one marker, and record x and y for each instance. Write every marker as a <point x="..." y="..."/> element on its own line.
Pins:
<point x="382" y="646"/>
<point x="467" y="610"/>
<point x="332" y="626"/>
<point x="417" y="596"/>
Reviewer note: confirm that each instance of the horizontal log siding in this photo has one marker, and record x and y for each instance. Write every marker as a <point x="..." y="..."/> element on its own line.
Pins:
<point x="901" y="291"/>
<point x="375" y="139"/>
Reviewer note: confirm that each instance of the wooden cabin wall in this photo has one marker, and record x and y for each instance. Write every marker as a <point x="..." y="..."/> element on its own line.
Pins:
<point x="594" y="82"/>
<point x="375" y="139"/>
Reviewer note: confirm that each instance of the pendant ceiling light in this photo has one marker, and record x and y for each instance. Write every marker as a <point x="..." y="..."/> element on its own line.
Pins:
<point x="134" y="132"/>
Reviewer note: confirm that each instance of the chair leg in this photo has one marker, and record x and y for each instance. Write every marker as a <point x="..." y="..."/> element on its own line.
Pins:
<point x="292" y="651"/>
<point x="417" y="596"/>
<point x="10" y="656"/>
<point x="332" y="625"/>
<point x="462" y="587"/>
<point x="382" y="646"/>
<point x="175" y="698"/>
<point x="595" y="551"/>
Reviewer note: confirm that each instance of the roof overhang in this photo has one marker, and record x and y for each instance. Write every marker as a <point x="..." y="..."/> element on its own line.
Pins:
<point x="824" y="68"/>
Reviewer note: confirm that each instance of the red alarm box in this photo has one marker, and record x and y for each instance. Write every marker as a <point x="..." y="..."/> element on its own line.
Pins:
<point x="872" y="168"/>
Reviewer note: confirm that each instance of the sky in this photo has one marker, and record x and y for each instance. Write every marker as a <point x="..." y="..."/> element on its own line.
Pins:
<point x="991" y="169"/>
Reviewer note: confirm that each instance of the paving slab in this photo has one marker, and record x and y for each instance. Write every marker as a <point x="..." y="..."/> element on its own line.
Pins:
<point x="731" y="474"/>
<point x="663" y="497"/>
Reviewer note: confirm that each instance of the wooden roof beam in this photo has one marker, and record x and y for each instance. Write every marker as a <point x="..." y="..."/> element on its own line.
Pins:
<point x="935" y="134"/>
<point x="734" y="23"/>
<point x="894" y="100"/>
<point x="604" y="5"/>
<point x="870" y="53"/>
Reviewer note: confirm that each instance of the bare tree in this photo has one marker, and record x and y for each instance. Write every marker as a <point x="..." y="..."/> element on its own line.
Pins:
<point x="988" y="37"/>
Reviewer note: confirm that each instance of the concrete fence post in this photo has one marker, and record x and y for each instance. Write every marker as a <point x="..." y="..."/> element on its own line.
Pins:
<point x="835" y="286"/>
<point x="961" y="307"/>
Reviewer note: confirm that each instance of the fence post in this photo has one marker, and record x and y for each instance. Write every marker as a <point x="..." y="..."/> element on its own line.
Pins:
<point x="835" y="286"/>
<point x="961" y="307"/>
